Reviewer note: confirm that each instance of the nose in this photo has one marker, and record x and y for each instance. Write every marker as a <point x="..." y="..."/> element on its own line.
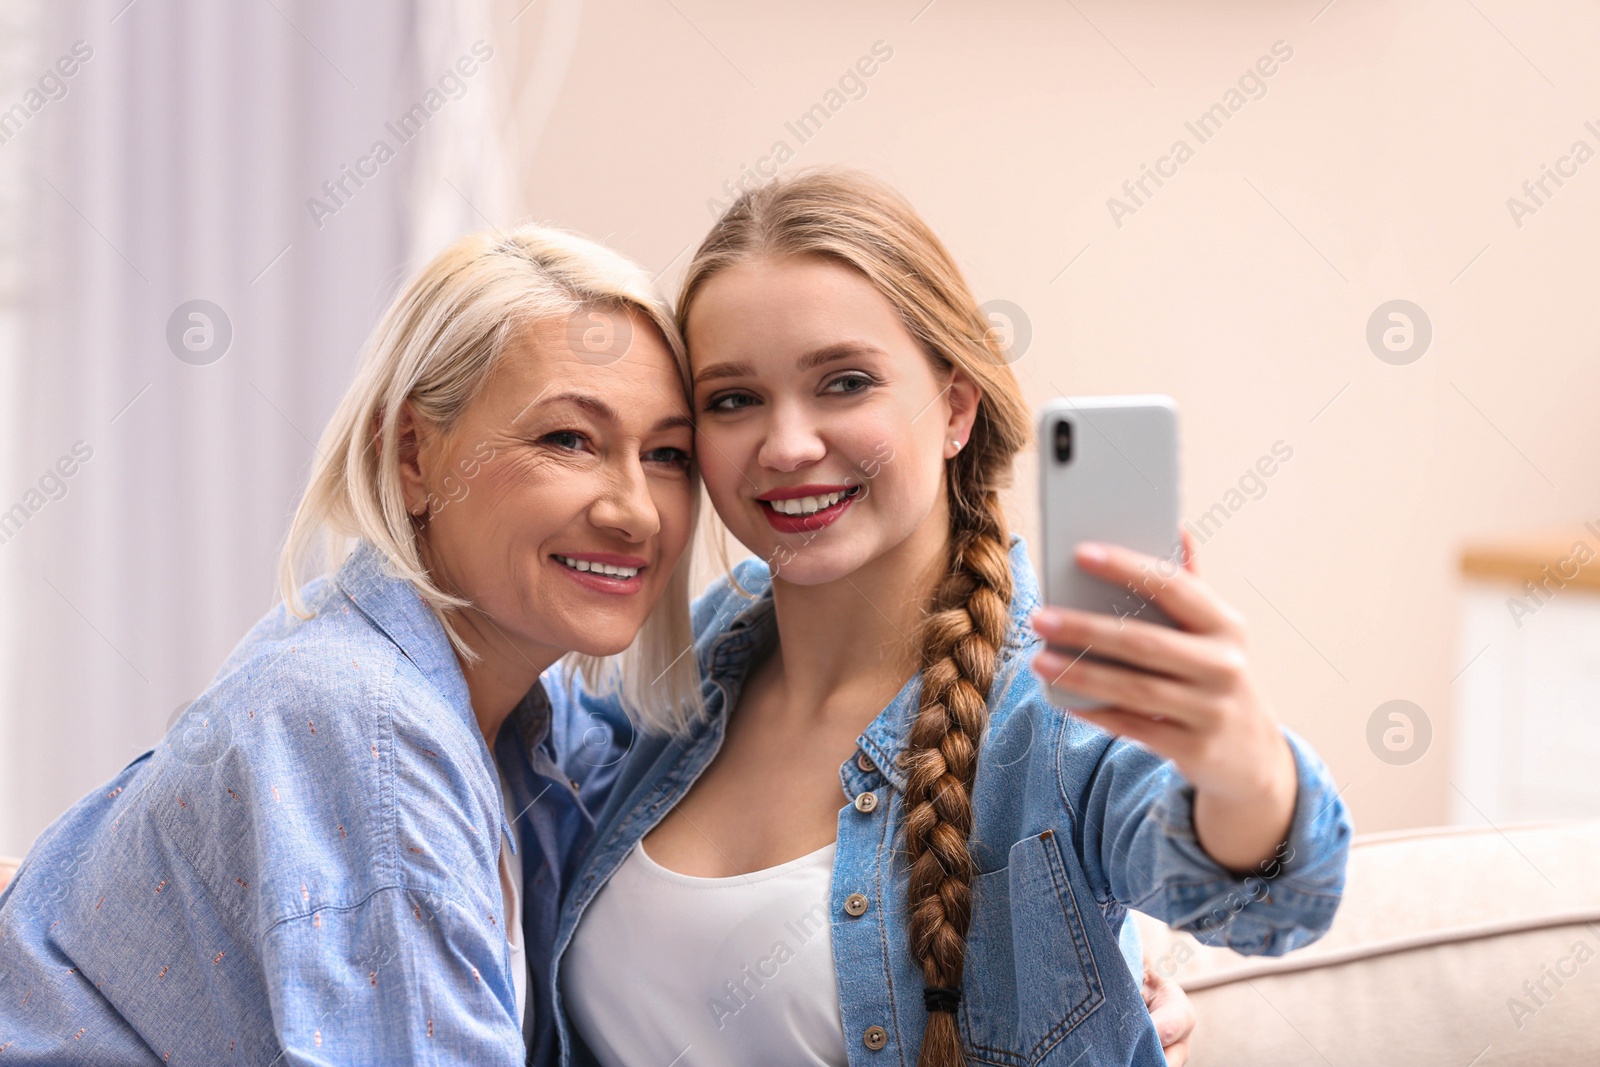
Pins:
<point x="791" y="440"/>
<point x="625" y="505"/>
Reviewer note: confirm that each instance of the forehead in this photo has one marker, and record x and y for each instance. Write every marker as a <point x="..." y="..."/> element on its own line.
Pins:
<point x="787" y="306"/>
<point x="631" y="368"/>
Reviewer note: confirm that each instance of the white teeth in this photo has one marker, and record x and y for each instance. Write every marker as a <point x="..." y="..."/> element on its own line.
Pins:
<point x="808" y="505"/>
<point x="607" y="569"/>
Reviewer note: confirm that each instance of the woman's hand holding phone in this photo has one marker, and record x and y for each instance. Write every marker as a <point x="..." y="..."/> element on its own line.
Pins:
<point x="1187" y="693"/>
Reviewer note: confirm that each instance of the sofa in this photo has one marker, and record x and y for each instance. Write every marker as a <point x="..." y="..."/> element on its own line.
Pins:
<point x="1452" y="948"/>
<point x="1455" y="947"/>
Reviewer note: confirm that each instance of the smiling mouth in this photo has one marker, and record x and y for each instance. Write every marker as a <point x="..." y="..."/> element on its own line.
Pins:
<point x="802" y="506"/>
<point x="605" y="570"/>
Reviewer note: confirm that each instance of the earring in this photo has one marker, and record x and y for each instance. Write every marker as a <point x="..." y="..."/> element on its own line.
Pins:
<point x="956" y="445"/>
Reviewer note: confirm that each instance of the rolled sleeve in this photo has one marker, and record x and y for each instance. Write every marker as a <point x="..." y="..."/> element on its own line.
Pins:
<point x="1153" y="861"/>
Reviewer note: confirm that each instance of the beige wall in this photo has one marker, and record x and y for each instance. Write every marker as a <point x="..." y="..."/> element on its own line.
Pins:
<point x="1376" y="166"/>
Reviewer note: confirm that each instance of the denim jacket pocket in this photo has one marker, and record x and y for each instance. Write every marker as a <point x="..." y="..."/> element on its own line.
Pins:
<point x="1031" y="977"/>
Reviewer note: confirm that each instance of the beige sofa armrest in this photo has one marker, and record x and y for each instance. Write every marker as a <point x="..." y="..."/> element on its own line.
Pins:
<point x="1452" y="946"/>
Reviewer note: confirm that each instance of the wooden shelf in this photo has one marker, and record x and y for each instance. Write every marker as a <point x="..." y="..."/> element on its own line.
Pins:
<point x="1551" y="555"/>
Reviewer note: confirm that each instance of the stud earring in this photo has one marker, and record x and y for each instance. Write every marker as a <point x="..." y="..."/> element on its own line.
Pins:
<point x="956" y="445"/>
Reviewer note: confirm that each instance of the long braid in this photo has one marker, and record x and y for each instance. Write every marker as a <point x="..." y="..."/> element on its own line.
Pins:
<point x="960" y="644"/>
<point x="857" y="221"/>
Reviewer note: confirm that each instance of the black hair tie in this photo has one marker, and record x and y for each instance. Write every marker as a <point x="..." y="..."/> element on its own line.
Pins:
<point x="941" y="998"/>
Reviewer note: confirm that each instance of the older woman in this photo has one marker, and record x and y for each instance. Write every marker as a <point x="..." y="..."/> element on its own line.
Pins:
<point x="336" y="854"/>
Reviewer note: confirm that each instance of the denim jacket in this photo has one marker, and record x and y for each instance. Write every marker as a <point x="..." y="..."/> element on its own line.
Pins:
<point x="306" y="870"/>
<point x="1072" y="828"/>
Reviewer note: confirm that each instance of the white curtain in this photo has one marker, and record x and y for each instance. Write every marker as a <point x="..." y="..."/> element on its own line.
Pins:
<point x="179" y="164"/>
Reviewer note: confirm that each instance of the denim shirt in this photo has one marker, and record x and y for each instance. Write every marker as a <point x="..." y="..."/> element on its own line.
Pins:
<point x="306" y="870"/>
<point x="1072" y="828"/>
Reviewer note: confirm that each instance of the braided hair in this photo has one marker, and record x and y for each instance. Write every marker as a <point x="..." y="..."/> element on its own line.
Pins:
<point x="861" y="223"/>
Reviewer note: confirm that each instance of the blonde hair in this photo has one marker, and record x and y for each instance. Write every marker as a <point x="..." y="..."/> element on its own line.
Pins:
<point x="854" y="220"/>
<point x="435" y="347"/>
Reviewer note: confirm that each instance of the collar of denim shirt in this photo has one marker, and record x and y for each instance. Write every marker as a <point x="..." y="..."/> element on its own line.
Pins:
<point x="391" y="604"/>
<point x="729" y="655"/>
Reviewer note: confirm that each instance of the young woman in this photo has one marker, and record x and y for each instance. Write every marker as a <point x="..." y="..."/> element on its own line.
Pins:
<point x="878" y="841"/>
<point x="321" y="864"/>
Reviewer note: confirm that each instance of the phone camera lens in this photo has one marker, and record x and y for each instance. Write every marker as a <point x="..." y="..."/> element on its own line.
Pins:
<point x="1063" y="441"/>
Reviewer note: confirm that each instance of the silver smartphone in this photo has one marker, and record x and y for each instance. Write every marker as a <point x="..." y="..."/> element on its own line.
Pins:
<point x="1108" y="471"/>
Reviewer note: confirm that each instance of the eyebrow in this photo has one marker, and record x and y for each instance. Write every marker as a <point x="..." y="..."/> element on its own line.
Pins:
<point x="816" y="358"/>
<point x="601" y="410"/>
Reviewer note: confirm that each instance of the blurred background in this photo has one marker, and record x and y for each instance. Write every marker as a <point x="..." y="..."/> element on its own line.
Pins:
<point x="1354" y="239"/>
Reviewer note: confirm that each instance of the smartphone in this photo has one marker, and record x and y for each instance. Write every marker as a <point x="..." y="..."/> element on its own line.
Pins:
<point x="1108" y="471"/>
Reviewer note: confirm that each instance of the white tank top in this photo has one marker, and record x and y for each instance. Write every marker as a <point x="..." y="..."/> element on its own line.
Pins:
<point x="668" y="968"/>
<point x="511" y="891"/>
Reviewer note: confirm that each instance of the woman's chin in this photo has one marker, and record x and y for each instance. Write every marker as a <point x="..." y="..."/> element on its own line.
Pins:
<point x="591" y="647"/>
<point x="591" y="644"/>
<point x="580" y="624"/>
<point x="811" y="566"/>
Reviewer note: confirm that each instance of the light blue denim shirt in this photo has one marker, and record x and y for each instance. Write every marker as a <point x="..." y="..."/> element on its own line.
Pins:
<point x="1072" y="829"/>
<point x="306" y="870"/>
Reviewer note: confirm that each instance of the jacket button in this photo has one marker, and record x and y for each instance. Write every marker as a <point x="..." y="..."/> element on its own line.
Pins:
<point x="855" y="904"/>
<point x="875" y="1037"/>
<point x="864" y="761"/>
<point x="866" y="802"/>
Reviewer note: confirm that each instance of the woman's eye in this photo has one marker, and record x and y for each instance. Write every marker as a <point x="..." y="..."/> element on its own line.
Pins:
<point x="673" y="457"/>
<point x="570" y="440"/>
<point x="729" y="402"/>
<point x="850" y="383"/>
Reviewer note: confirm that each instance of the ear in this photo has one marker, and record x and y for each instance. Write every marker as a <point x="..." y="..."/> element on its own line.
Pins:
<point x="411" y="433"/>
<point x="962" y="397"/>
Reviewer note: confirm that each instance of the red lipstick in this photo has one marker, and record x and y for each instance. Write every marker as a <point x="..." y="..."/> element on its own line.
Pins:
<point x="813" y="521"/>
